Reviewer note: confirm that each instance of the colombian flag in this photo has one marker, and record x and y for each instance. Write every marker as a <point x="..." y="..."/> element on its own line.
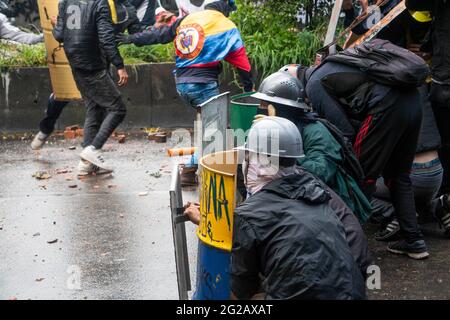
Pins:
<point x="205" y="38"/>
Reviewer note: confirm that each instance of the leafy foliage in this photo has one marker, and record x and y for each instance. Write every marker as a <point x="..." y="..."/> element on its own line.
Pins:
<point x="12" y="55"/>
<point x="273" y="35"/>
<point x="17" y="55"/>
<point x="146" y="54"/>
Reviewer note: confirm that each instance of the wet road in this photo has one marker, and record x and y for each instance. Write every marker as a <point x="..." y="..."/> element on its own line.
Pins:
<point x="114" y="240"/>
<point x="113" y="233"/>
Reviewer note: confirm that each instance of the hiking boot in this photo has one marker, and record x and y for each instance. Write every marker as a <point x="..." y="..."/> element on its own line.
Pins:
<point x="444" y="221"/>
<point x="188" y="176"/>
<point x="390" y="233"/>
<point x="95" y="157"/>
<point x="415" y="250"/>
<point x="39" y="140"/>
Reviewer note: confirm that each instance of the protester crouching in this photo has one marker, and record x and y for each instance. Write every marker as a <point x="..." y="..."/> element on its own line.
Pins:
<point x="287" y="226"/>
<point x="382" y="121"/>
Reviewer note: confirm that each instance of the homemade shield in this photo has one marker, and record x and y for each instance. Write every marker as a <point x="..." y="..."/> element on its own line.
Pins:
<point x="64" y="87"/>
<point x="214" y="115"/>
<point x="218" y="177"/>
<point x="179" y="235"/>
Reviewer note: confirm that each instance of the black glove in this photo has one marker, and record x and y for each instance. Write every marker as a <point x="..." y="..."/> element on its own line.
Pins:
<point x="123" y="38"/>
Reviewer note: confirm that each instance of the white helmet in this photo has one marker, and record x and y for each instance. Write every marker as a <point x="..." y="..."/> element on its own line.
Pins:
<point x="275" y="136"/>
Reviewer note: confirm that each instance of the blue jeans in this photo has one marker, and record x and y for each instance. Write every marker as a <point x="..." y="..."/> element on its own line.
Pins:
<point x="426" y="180"/>
<point x="195" y="94"/>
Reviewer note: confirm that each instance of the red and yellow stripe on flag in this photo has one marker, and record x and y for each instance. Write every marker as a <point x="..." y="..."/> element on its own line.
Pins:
<point x="205" y="38"/>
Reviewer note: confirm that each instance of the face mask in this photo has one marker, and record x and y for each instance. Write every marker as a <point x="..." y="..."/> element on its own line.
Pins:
<point x="256" y="174"/>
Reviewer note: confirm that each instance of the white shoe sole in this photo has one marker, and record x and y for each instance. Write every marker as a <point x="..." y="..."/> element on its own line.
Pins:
<point x="416" y="256"/>
<point x="37" y="144"/>
<point x="94" y="161"/>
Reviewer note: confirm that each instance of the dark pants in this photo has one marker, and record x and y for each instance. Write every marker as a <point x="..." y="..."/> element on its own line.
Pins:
<point x="426" y="180"/>
<point x="105" y="109"/>
<point x="440" y="101"/>
<point x="386" y="146"/>
<point x="54" y="109"/>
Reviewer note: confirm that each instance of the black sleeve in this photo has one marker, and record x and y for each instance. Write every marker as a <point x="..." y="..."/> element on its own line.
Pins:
<point x="58" y="32"/>
<point x="354" y="233"/>
<point x="328" y="108"/>
<point x="244" y="268"/>
<point x="163" y="35"/>
<point x="149" y="16"/>
<point x="106" y="36"/>
<point x="136" y="3"/>
<point x="135" y="27"/>
<point x="246" y="79"/>
<point x="420" y="5"/>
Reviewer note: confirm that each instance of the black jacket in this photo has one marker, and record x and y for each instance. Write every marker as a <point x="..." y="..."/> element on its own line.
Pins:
<point x="429" y="138"/>
<point x="149" y="16"/>
<point x="290" y="235"/>
<point x="440" y="36"/>
<point x="344" y="95"/>
<point x="86" y="29"/>
<point x="127" y="18"/>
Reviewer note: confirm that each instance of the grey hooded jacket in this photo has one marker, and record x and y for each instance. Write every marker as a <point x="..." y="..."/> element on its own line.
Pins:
<point x="10" y="32"/>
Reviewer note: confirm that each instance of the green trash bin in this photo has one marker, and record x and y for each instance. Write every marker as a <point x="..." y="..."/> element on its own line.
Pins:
<point x="243" y="109"/>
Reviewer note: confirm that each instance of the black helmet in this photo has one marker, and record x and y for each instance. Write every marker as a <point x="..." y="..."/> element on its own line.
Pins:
<point x="282" y="88"/>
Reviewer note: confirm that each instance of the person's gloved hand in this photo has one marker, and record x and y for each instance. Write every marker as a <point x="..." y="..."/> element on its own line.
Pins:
<point x="123" y="38"/>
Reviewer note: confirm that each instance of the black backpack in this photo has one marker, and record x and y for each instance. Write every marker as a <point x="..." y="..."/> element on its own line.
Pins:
<point x="385" y="63"/>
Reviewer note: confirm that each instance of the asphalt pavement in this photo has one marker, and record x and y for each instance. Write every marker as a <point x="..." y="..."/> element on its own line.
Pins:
<point x="109" y="237"/>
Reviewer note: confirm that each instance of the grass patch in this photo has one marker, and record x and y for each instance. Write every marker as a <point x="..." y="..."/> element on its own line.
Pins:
<point x="19" y="55"/>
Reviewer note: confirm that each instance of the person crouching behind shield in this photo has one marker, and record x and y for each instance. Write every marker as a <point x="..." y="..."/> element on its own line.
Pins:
<point x="287" y="226"/>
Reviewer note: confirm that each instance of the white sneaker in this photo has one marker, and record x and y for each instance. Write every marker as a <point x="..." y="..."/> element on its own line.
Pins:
<point x="39" y="140"/>
<point x="99" y="171"/>
<point x="95" y="157"/>
<point x="85" y="168"/>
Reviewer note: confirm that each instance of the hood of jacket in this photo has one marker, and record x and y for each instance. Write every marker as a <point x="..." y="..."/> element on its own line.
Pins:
<point x="301" y="187"/>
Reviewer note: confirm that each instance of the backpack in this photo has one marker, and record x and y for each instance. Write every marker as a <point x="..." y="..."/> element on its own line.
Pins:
<point x="350" y="163"/>
<point x="385" y="63"/>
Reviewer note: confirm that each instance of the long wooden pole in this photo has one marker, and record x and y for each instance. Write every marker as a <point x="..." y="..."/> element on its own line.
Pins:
<point x="333" y="22"/>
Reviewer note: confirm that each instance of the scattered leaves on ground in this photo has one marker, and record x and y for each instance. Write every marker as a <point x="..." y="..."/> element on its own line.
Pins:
<point x="41" y="175"/>
<point x="156" y="174"/>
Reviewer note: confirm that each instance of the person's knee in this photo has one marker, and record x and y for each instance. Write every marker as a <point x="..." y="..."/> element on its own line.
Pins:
<point x="119" y="111"/>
